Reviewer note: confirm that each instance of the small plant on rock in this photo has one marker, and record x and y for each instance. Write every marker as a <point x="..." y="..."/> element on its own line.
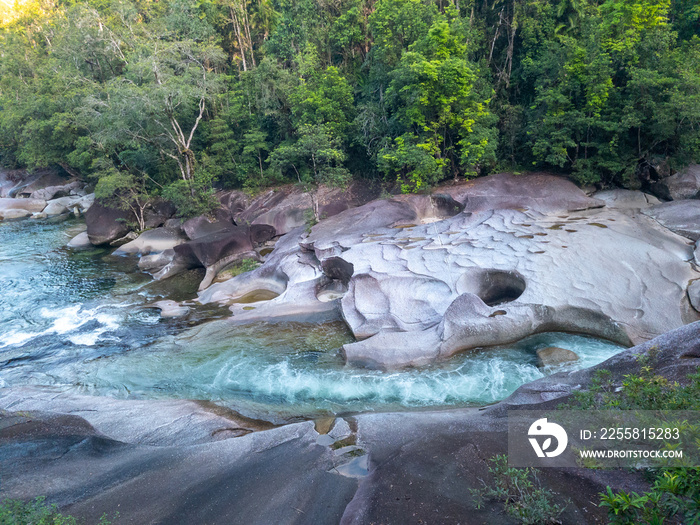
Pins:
<point x="520" y="491"/>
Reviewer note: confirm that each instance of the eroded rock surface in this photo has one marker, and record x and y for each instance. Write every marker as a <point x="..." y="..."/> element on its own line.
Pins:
<point x="681" y="217"/>
<point x="429" y="281"/>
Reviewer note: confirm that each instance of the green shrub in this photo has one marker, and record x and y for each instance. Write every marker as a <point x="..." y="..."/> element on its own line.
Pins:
<point x="675" y="493"/>
<point x="520" y="492"/>
<point x="37" y="512"/>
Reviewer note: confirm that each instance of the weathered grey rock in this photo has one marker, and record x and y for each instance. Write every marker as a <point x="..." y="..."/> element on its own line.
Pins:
<point x="682" y="185"/>
<point x="140" y="451"/>
<point x="62" y="205"/>
<point x="292" y="212"/>
<point x="30" y="205"/>
<point x="681" y="217"/>
<point x="261" y="233"/>
<point x="80" y="241"/>
<point x="265" y="202"/>
<point x="53" y="192"/>
<point x="28" y="183"/>
<point x="85" y="202"/>
<point x="555" y="356"/>
<point x="105" y="224"/>
<point x="14" y="213"/>
<point x="152" y="241"/>
<point x="157" y="261"/>
<point x="170" y="308"/>
<point x="158" y="213"/>
<point x="482" y="278"/>
<point x="626" y="199"/>
<point x="202" y="226"/>
<point x="234" y="202"/>
<point x="131" y="236"/>
<point x="216" y="246"/>
<point x="694" y="294"/>
<point x="539" y="192"/>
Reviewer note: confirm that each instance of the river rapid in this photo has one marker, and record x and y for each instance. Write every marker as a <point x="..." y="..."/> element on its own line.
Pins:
<point x="78" y="321"/>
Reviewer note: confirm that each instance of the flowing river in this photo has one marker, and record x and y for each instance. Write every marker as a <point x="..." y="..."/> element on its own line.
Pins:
<point x="77" y="320"/>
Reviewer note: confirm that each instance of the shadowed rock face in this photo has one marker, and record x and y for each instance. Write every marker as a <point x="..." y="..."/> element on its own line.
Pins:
<point x="425" y="285"/>
<point x="682" y="185"/>
<point x="105" y="224"/>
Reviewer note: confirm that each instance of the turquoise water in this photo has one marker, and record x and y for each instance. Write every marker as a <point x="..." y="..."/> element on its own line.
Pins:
<point x="75" y="319"/>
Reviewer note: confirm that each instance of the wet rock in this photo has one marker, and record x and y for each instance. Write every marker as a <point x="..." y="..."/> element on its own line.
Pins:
<point x="80" y="241"/>
<point x="681" y="217"/>
<point x="152" y="241"/>
<point x="170" y="308"/>
<point x="157" y="261"/>
<point x="682" y="185"/>
<point x="417" y="465"/>
<point x="105" y="224"/>
<point x="555" y="356"/>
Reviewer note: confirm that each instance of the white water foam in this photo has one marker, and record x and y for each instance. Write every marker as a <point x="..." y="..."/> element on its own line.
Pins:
<point x="66" y="321"/>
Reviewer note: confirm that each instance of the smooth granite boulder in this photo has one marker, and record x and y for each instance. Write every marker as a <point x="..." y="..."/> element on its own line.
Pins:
<point x="28" y="183"/>
<point x="538" y="192"/>
<point x="105" y="224"/>
<point x="30" y="205"/>
<point x="152" y="241"/>
<point x="53" y="192"/>
<point x="682" y="185"/>
<point x="626" y="199"/>
<point x="287" y="214"/>
<point x="12" y="214"/>
<point x="485" y="277"/>
<point x="681" y="217"/>
<point x="80" y="241"/>
<point x="202" y="226"/>
<point x="555" y="356"/>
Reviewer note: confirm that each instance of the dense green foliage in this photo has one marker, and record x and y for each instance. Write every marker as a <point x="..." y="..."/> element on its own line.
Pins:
<point x="167" y="97"/>
<point x="36" y="512"/>
<point x="675" y="493"/>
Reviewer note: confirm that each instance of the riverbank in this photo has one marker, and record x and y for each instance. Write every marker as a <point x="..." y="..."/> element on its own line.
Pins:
<point x="416" y="282"/>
